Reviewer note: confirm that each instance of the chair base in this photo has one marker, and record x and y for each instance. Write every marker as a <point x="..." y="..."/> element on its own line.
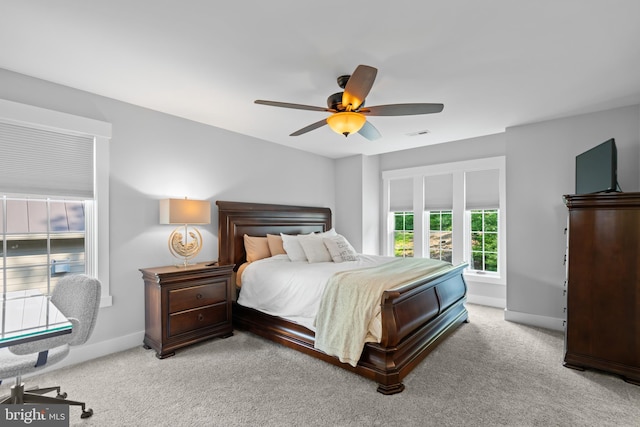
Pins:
<point x="21" y="396"/>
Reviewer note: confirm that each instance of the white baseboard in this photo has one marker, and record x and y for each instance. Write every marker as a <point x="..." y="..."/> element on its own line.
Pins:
<point x="488" y="301"/>
<point x="534" y="320"/>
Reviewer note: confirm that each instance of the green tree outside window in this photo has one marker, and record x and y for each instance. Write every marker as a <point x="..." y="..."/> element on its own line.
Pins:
<point x="403" y="234"/>
<point x="440" y="235"/>
<point x="484" y="240"/>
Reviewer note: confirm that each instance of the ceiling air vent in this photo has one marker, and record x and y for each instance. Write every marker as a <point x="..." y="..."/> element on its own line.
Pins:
<point x="420" y="132"/>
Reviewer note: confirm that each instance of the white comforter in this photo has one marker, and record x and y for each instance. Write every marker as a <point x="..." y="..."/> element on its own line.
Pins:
<point x="293" y="290"/>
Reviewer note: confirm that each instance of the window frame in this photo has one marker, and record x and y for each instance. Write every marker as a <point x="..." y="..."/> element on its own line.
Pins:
<point x="97" y="216"/>
<point x="459" y="227"/>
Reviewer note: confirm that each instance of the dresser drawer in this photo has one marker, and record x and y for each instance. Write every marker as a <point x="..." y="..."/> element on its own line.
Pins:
<point x="197" y="296"/>
<point x="191" y="320"/>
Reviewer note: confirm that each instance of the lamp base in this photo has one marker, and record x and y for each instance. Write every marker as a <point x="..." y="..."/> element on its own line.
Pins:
<point x="184" y="264"/>
<point x="185" y="246"/>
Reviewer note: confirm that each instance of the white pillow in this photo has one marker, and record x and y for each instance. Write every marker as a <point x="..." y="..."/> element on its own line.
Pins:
<point x="314" y="248"/>
<point x="329" y="233"/>
<point x="340" y="249"/>
<point x="293" y="248"/>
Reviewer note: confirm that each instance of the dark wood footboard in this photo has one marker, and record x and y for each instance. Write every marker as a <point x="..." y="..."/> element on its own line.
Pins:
<point x="415" y="317"/>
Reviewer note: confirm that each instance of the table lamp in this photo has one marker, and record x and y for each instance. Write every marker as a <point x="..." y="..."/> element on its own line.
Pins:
<point x="185" y="243"/>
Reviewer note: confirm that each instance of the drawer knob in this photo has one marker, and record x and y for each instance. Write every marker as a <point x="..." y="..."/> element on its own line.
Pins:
<point x="200" y="317"/>
<point x="199" y="296"/>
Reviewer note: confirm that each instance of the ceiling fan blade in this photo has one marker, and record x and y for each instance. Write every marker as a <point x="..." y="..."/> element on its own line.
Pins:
<point x="369" y="131"/>
<point x="309" y="128"/>
<point x="402" y="109"/>
<point x="294" y="106"/>
<point x="358" y="86"/>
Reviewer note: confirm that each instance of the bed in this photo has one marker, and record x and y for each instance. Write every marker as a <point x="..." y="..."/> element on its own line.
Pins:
<point x="414" y="318"/>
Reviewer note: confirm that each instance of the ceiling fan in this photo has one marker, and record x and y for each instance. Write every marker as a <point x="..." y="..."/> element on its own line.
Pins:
<point x="348" y="110"/>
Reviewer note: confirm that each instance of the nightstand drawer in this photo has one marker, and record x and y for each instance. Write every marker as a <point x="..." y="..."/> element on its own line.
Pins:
<point x="197" y="296"/>
<point x="190" y="320"/>
<point x="186" y="305"/>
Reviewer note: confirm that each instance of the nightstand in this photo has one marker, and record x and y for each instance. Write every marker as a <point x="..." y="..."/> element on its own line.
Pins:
<point x="185" y="305"/>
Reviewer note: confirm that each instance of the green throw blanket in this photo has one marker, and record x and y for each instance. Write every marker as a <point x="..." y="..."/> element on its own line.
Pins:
<point x="352" y="299"/>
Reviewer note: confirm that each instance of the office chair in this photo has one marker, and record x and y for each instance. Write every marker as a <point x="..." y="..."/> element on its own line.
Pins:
<point x="78" y="298"/>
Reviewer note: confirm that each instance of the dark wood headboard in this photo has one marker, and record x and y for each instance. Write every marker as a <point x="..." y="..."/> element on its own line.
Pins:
<point x="235" y="219"/>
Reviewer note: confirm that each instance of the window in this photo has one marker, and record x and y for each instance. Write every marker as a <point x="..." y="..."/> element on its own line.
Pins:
<point x="458" y="211"/>
<point x="484" y="240"/>
<point x="42" y="240"/>
<point x="403" y="234"/>
<point x="54" y="169"/>
<point x="440" y="235"/>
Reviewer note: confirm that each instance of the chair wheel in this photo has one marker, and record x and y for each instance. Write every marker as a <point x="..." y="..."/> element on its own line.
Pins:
<point x="61" y="395"/>
<point x="87" y="413"/>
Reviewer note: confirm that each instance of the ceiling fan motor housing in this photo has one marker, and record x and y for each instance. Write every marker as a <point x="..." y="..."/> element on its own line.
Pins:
<point x="342" y="80"/>
<point x="335" y="102"/>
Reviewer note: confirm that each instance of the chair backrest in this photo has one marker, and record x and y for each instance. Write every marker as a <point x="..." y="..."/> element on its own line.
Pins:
<point x="78" y="296"/>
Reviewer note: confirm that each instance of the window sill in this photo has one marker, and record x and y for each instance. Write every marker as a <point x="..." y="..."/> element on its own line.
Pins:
<point x="484" y="278"/>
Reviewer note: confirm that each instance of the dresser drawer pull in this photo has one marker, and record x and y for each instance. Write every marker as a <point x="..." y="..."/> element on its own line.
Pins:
<point x="199" y="296"/>
<point x="200" y="317"/>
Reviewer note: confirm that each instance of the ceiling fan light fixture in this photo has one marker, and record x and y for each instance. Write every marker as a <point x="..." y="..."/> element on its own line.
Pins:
<point x="346" y="122"/>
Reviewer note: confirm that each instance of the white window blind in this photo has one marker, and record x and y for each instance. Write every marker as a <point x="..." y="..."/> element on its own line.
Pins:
<point x="438" y="192"/>
<point x="36" y="161"/>
<point x="401" y="195"/>
<point x="482" y="189"/>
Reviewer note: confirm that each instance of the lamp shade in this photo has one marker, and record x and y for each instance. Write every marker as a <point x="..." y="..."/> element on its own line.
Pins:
<point x="346" y="122"/>
<point x="185" y="211"/>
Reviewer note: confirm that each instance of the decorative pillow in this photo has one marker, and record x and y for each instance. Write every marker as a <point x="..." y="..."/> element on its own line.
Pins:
<point x="256" y="248"/>
<point x="275" y="244"/>
<point x="314" y="248"/>
<point x="340" y="248"/>
<point x="293" y="248"/>
<point x="329" y="233"/>
<point x="239" y="274"/>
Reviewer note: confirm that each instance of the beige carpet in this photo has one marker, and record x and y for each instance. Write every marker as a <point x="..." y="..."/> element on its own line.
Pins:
<point x="488" y="373"/>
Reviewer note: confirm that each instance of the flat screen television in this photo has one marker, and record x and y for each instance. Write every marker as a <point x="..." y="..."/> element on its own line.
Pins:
<point x="597" y="169"/>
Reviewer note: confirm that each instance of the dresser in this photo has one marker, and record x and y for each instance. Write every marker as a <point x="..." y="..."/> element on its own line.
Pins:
<point x="603" y="284"/>
<point x="185" y="305"/>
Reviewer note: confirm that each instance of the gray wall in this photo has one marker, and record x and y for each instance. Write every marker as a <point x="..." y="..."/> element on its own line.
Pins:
<point x="371" y="190"/>
<point x="540" y="159"/>
<point x="348" y="197"/>
<point x="155" y="156"/>
<point x="358" y="202"/>
<point x="467" y="149"/>
<point x="540" y="170"/>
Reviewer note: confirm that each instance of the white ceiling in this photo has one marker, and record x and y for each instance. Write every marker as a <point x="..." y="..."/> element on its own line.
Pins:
<point x="492" y="63"/>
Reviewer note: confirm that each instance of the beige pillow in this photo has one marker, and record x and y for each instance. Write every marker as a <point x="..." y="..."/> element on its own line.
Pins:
<point x="275" y="244"/>
<point x="256" y="248"/>
<point x="239" y="274"/>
